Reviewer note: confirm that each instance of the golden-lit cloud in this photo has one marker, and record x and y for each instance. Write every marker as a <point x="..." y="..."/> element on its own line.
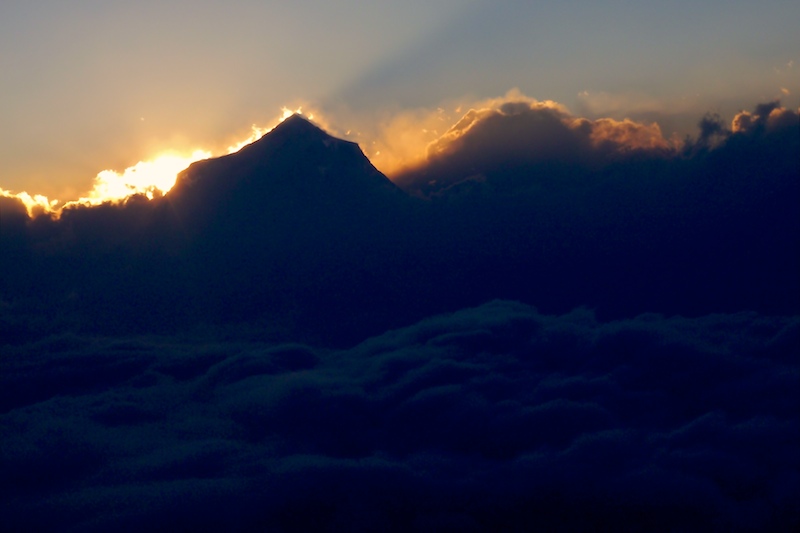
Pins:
<point x="401" y="139"/>
<point x="151" y="178"/>
<point x="771" y="116"/>
<point x="516" y="128"/>
<point x="34" y="204"/>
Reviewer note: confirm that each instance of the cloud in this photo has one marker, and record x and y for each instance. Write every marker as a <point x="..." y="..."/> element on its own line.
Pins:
<point x="12" y="207"/>
<point x="395" y="139"/>
<point x="149" y="178"/>
<point x="768" y="115"/>
<point x="34" y="205"/>
<point x="492" y="417"/>
<point x="712" y="131"/>
<point x="400" y="138"/>
<point x="519" y="132"/>
<point x="516" y="131"/>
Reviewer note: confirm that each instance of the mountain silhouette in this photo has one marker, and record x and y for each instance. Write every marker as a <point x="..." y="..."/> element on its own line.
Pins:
<point x="296" y="219"/>
<point x="295" y="173"/>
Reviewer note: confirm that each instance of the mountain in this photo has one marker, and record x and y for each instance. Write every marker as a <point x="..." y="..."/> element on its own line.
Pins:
<point x="295" y="172"/>
<point x="294" y="232"/>
<point x="297" y="219"/>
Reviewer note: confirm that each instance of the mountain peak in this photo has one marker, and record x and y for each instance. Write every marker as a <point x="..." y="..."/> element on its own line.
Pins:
<point x="292" y="132"/>
<point x="297" y="125"/>
<point x="295" y="118"/>
<point x="295" y="162"/>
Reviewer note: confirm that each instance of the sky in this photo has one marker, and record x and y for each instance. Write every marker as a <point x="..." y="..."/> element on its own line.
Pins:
<point x="90" y="86"/>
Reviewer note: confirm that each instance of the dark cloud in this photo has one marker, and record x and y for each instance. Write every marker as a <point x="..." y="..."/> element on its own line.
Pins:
<point x="12" y="209"/>
<point x="518" y="134"/>
<point x="541" y="138"/>
<point x="494" y="417"/>
<point x="711" y="129"/>
<point x="609" y="214"/>
<point x="237" y="354"/>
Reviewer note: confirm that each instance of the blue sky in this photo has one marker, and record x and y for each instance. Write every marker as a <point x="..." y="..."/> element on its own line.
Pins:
<point x="90" y="85"/>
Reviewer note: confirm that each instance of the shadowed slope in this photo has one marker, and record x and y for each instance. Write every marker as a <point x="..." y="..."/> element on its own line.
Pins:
<point x="298" y="219"/>
<point x="295" y="171"/>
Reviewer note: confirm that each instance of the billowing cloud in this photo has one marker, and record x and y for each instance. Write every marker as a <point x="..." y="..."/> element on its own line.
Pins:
<point x="518" y="132"/>
<point x="542" y="137"/>
<point x="769" y="115"/>
<point x="494" y="417"/>
<point x="34" y="204"/>
<point x="396" y="139"/>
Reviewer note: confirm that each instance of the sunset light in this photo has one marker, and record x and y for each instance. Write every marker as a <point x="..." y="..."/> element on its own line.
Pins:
<point x="156" y="177"/>
<point x="152" y="178"/>
<point x="34" y="204"/>
<point x="257" y="132"/>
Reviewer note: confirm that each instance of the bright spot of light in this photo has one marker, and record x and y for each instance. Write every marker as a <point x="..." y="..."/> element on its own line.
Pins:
<point x="151" y="178"/>
<point x="286" y="112"/>
<point x="34" y="204"/>
<point x="258" y="132"/>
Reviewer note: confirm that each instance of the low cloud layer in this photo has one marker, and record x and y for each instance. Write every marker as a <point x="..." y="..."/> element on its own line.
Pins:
<point x="485" y="419"/>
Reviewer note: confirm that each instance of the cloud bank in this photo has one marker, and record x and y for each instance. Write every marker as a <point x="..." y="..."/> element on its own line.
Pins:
<point x="493" y="417"/>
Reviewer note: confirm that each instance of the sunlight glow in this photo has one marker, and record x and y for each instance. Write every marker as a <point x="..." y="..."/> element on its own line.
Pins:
<point x="151" y="178"/>
<point x="35" y="204"/>
<point x="258" y="132"/>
